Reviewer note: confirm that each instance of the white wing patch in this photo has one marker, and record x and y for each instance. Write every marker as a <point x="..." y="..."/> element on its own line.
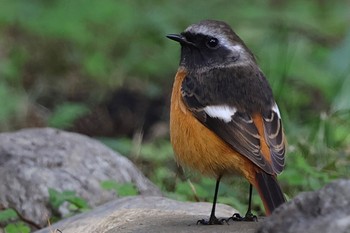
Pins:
<point x="222" y="112"/>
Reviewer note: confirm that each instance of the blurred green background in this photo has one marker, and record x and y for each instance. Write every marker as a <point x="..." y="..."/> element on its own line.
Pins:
<point x="105" y="69"/>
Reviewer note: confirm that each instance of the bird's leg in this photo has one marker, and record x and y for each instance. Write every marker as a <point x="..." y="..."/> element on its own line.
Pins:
<point x="213" y="220"/>
<point x="249" y="217"/>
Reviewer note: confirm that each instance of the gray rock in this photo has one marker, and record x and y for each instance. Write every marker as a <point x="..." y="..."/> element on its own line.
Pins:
<point x="323" y="211"/>
<point x="149" y="214"/>
<point x="33" y="160"/>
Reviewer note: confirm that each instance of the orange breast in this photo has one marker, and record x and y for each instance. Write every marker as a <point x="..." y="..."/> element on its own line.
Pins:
<point x="196" y="146"/>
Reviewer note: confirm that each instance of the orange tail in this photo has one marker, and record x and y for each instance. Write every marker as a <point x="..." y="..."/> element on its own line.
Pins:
<point x="269" y="190"/>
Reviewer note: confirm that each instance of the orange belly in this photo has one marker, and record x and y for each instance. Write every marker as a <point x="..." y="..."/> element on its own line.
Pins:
<point x="196" y="146"/>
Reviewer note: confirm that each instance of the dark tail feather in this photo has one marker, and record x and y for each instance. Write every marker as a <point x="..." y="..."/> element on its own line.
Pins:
<point x="269" y="191"/>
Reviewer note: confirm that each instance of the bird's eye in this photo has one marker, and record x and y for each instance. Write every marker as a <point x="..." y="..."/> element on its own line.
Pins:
<point x="212" y="43"/>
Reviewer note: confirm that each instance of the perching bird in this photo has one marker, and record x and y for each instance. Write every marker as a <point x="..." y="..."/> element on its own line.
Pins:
<point x="223" y="116"/>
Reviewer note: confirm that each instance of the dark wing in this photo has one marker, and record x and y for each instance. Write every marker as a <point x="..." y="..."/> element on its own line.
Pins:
<point x="274" y="137"/>
<point x="228" y="119"/>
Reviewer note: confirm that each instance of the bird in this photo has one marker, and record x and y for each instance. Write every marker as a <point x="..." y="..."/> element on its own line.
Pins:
<point x="224" y="119"/>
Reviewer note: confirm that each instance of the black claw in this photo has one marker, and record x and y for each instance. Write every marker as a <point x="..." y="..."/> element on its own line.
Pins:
<point x="203" y="222"/>
<point x="212" y="221"/>
<point x="249" y="217"/>
<point x="237" y="217"/>
<point x="224" y="220"/>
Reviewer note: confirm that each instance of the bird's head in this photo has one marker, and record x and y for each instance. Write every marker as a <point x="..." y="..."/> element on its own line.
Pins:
<point x="211" y="44"/>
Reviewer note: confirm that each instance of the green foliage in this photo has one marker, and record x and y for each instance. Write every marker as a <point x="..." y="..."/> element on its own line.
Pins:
<point x="7" y="214"/>
<point x="122" y="145"/>
<point x="65" y="114"/>
<point x="76" y="204"/>
<point x="8" y="108"/>
<point x="123" y="190"/>
<point x="9" y="218"/>
<point x="17" y="227"/>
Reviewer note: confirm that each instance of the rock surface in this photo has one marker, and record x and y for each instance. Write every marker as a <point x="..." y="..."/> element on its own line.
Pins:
<point x="150" y="214"/>
<point x="33" y="160"/>
<point x="323" y="211"/>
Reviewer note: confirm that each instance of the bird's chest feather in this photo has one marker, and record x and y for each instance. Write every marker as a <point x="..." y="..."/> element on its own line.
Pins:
<point x="194" y="144"/>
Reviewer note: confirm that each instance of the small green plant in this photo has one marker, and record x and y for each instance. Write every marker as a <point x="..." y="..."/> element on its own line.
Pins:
<point x="17" y="227"/>
<point x="76" y="204"/>
<point x="126" y="189"/>
<point x="12" y="223"/>
<point x="7" y="214"/>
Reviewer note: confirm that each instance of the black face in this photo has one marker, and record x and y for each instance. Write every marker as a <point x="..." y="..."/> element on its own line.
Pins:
<point x="200" y="50"/>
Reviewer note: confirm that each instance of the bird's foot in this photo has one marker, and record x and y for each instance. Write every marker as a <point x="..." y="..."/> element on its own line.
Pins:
<point x="212" y="221"/>
<point x="249" y="217"/>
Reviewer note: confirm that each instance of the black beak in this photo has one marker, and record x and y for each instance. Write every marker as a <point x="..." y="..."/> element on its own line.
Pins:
<point x="179" y="38"/>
